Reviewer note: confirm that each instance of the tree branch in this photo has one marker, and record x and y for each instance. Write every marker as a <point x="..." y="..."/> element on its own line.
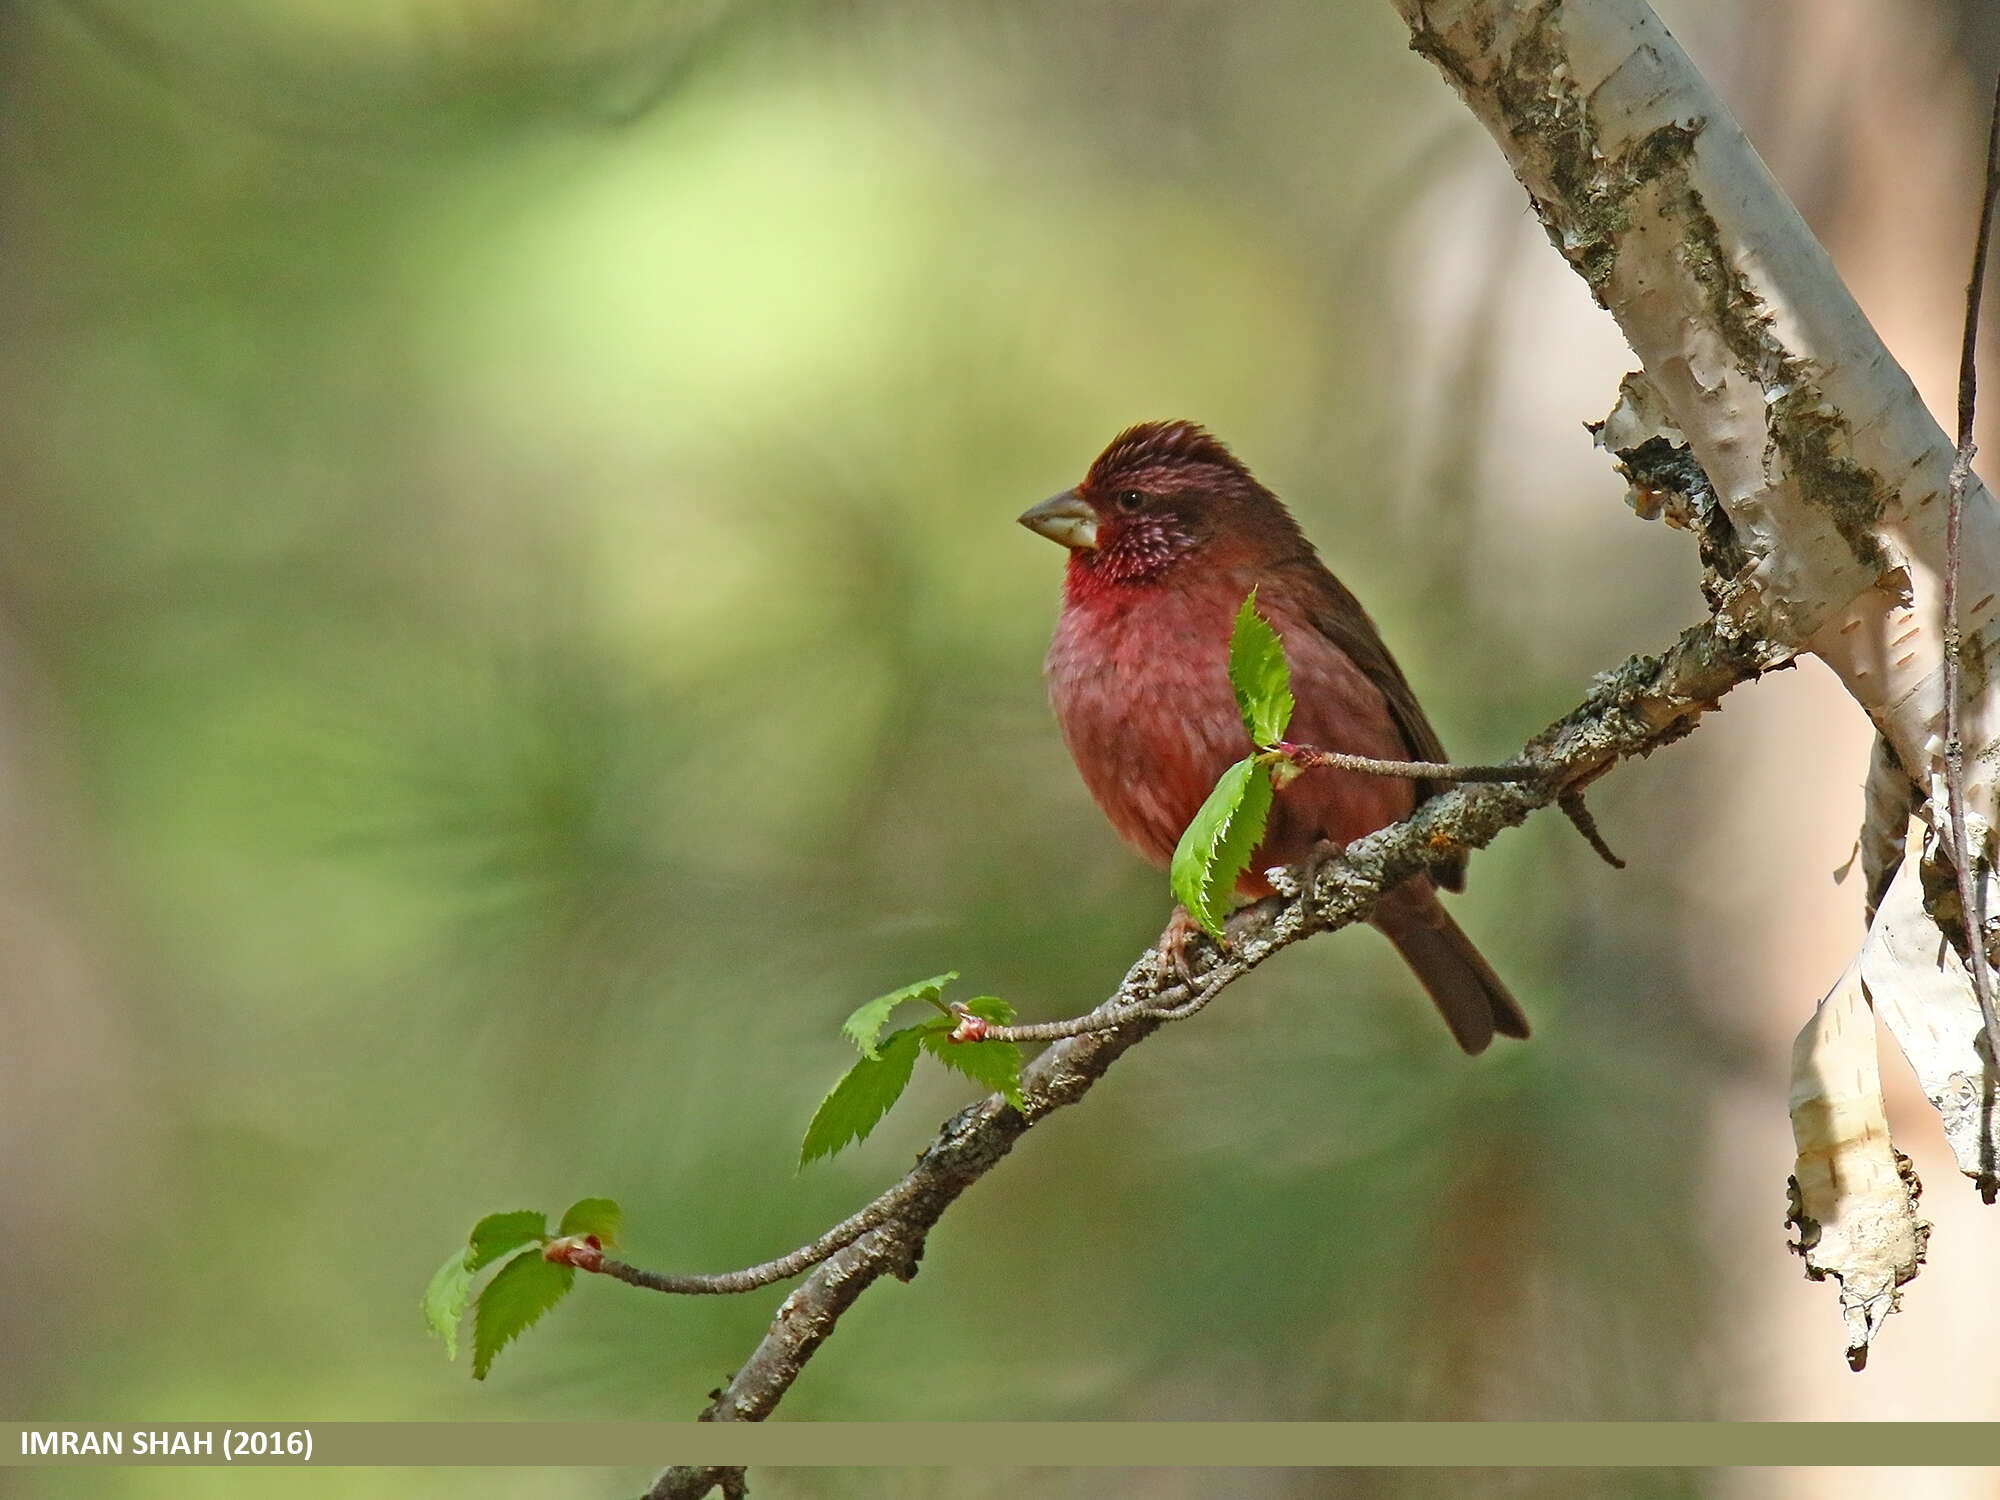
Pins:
<point x="1648" y="702"/>
<point x="1971" y="890"/>
<point x="1308" y="757"/>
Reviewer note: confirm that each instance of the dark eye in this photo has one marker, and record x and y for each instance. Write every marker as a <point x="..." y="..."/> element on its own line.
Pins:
<point x="1130" y="500"/>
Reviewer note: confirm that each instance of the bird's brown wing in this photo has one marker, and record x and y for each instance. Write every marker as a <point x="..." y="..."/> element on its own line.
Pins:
<point x="1338" y="616"/>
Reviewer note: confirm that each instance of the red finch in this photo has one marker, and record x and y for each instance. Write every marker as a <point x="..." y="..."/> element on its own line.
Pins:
<point x="1167" y="534"/>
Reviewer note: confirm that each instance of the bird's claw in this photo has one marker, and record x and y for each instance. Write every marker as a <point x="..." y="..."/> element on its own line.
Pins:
<point x="1173" y="956"/>
<point x="1322" y="854"/>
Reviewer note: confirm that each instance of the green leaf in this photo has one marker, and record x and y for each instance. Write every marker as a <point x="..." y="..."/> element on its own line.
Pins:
<point x="994" y="1066"/>
<point x="1218" y="844"/>
<point x="498" y="1234"/>
<point x="445" y="1300"/>
<point x="859" y="1100"/>
<point x="598" y="1216"/>
<point x="1258" y="672"/>
<point x="526" y="1287"/>
<point x="866" y="1024"/>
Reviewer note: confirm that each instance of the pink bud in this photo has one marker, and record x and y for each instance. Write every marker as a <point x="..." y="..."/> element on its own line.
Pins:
<point x="580" y="1250"/>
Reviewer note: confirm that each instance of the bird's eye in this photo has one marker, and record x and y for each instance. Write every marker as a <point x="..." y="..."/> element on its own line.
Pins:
<point x="1130" y="500"/>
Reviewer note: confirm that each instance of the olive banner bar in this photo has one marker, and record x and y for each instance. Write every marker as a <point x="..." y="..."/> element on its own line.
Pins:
<point x="309" y="1444"/>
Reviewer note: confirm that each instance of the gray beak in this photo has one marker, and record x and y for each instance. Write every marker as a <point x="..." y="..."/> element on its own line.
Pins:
<point x="1066" y="519"/>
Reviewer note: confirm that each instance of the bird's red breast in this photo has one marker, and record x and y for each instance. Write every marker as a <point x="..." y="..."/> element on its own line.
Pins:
<point x="1168" y="533"/>
<point x="1139" y="678"/>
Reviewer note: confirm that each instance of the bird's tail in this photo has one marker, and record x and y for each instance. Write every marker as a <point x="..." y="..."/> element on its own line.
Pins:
<point x="1474" y="1002"/>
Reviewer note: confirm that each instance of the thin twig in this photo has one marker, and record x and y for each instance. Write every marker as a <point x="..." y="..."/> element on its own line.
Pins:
<point x="1971" y="889"/>
<point x="750" y="1278"/>
<point x="1574" y="808"/>
<point x="1110" y="1017"/>
<point x="1308" y="757"/>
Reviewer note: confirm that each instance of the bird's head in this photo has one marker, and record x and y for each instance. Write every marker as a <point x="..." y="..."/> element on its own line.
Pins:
<point x="1162" y="493"/>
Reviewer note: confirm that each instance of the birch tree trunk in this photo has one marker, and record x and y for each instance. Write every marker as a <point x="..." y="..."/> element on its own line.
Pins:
<point x="1822" y="485"/>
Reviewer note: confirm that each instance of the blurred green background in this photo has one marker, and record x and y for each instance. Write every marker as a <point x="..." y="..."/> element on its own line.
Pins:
<point x="511" y="623"/>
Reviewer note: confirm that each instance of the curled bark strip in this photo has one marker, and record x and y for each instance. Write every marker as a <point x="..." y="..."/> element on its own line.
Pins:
<point x="1920" y="988"/>
<point x="1854" y="1195"/>
<point x="1887" y="803"/>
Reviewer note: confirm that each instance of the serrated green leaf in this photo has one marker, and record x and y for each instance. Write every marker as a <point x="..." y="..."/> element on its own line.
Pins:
<point x="860" y="1099"/>
<point x="498" y="1234"/>
<point x="599" y="1216"/>
<point x="866" y="1024"/>
<point x="994" y="1066"/>
<point x="526" y="1287"/>
<point x="1258" y="672"/>
<point x="1218" y="844"/>
<point x="445" y="1300"/>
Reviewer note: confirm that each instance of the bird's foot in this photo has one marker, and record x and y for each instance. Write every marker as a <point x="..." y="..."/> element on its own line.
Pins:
<point x="1322" y="854"/>
<point x="1172" y="956"/>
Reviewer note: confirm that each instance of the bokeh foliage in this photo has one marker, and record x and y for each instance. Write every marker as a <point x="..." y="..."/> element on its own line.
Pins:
<point x="508" y="538"/>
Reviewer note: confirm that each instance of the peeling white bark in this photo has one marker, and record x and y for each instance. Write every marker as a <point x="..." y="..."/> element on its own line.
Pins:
<point x="1854" y="1195"/>
<point x="1887" y="803"/>
<point x="1830" y="467"/>
<point x="1825" y="480"/>
<point x="1920" y="988"/>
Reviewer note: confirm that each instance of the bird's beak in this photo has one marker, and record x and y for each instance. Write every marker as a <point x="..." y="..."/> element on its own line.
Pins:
<point x="1067" y="519"/>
